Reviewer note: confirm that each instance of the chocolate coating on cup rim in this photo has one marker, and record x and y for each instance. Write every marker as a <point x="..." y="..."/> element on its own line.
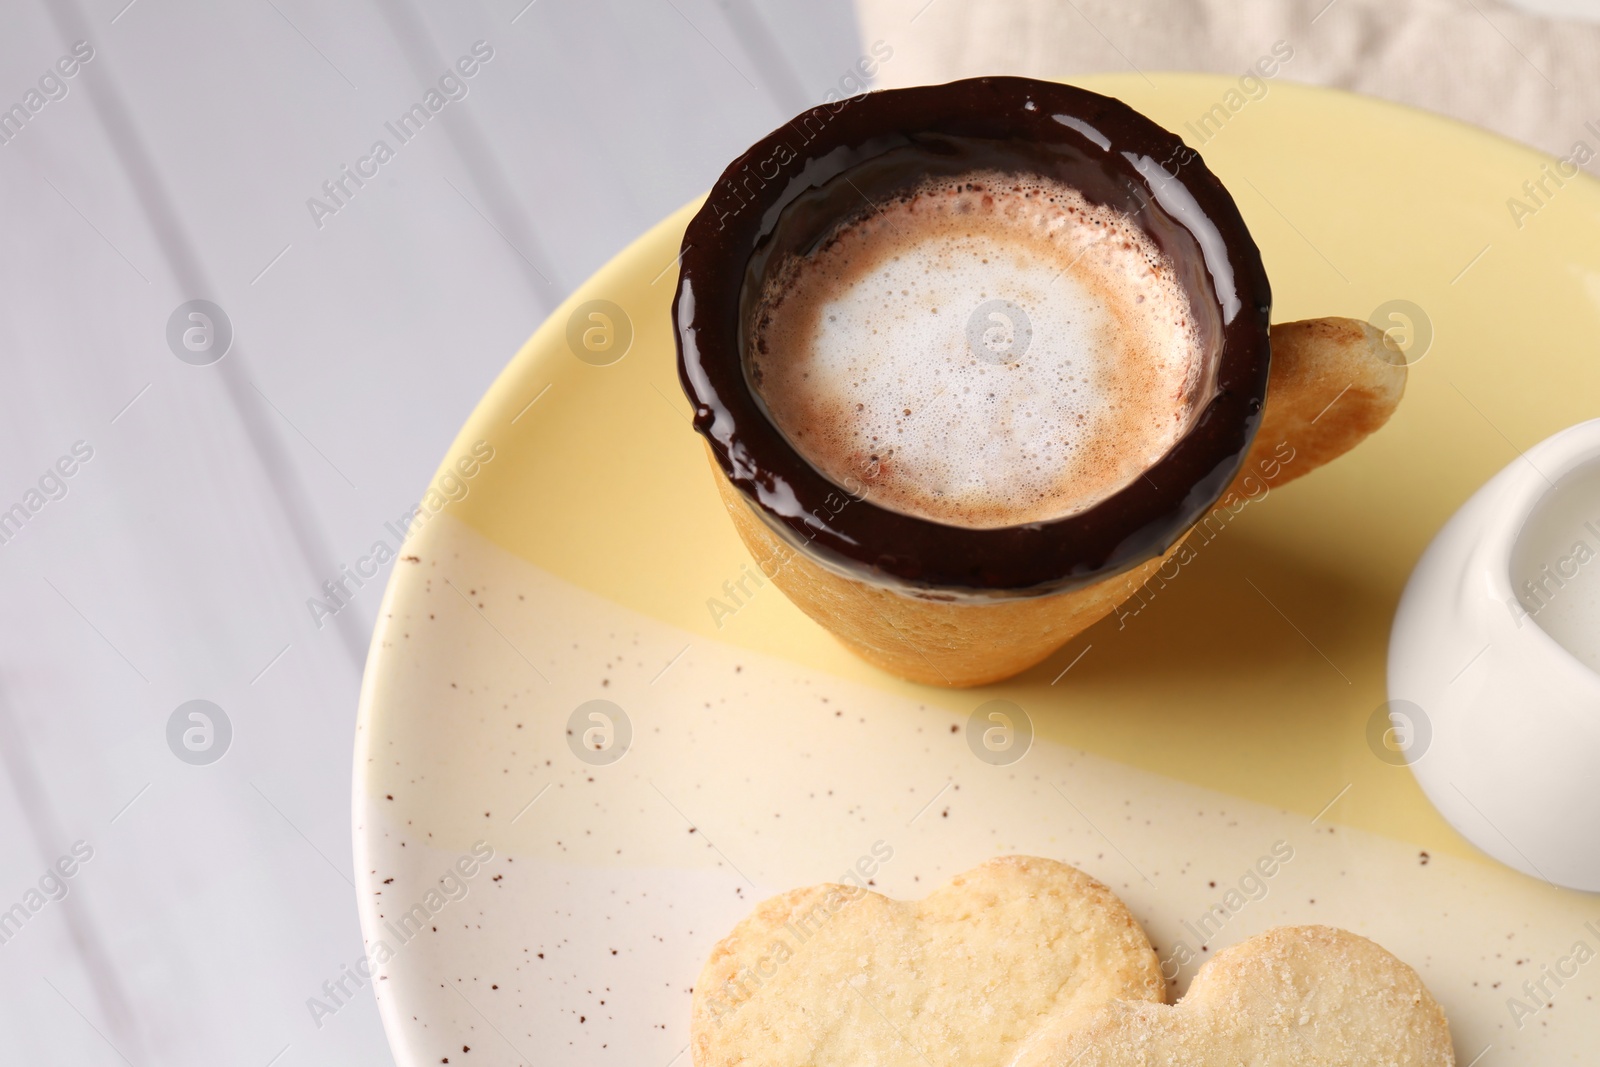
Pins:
<point x="833" y="163"/>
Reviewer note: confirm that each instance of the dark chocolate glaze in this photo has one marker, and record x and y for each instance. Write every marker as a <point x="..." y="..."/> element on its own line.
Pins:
<point x="832" y="164"/>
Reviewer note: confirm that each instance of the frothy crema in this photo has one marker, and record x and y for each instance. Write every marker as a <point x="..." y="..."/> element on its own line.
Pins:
<point x="985" y="351"/>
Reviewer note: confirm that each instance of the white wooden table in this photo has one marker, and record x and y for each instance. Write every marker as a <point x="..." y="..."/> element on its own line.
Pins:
<point x="208" y="502"/>
<point x="217" y="499"/>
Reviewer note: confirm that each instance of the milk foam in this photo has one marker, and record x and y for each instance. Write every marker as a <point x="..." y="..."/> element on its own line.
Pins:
<point x="985" y="351"/>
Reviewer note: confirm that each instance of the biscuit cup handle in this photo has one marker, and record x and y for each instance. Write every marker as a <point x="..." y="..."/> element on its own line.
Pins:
<point x="1333" y="382"/>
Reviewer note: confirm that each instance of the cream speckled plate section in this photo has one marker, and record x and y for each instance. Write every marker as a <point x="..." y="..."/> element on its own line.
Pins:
<point x="1188" y="741"/>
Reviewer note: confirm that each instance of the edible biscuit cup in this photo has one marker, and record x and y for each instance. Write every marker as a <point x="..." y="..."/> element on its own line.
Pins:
<point x="930" y="602"/>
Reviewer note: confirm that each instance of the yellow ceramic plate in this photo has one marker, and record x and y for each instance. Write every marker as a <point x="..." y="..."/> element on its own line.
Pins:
<point x="537" y="901"/>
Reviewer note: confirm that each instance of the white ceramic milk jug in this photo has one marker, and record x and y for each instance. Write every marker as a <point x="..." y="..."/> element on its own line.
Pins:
<point x="1494" y="664"/>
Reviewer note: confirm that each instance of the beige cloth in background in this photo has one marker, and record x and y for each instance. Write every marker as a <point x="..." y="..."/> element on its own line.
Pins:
<point x="1529" y="77"/>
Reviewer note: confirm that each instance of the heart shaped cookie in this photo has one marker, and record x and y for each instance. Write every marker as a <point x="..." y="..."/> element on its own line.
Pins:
<point x="1311" y="996"/>
<point x="839" y="975"/>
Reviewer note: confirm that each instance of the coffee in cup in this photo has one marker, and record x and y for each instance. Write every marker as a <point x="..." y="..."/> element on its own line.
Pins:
<point x="970" y="361"/>
<point x="985" y="350"/>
